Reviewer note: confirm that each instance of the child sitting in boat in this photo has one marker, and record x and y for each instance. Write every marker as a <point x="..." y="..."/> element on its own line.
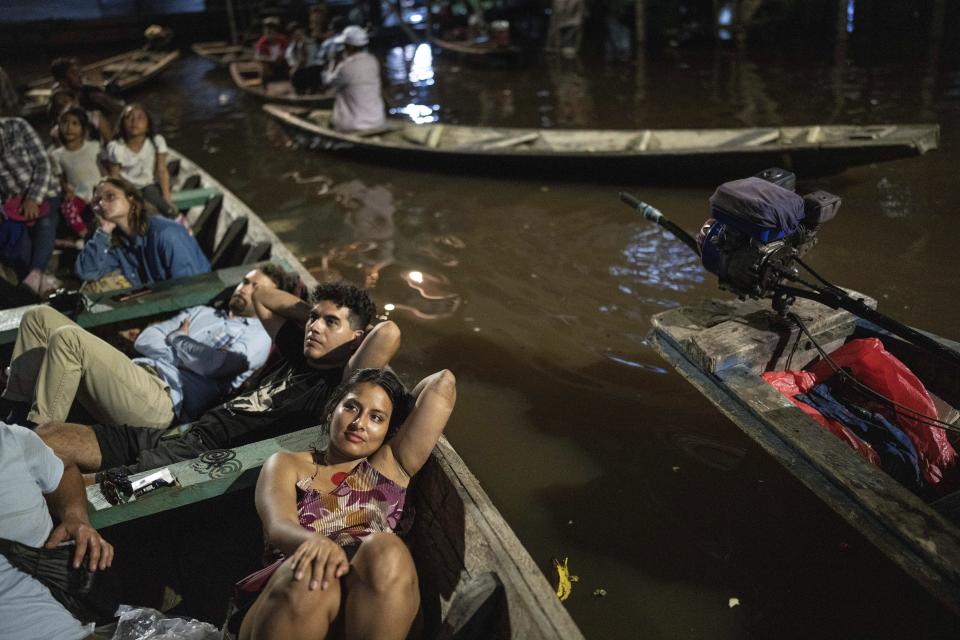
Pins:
<point x="139" y="154"/>
<point x="143" y="248"/>
<point x="69" y="77"/>
<point x="77" y="166"/>
<point x="331" y="513"/>
<point x="60" y="101"/>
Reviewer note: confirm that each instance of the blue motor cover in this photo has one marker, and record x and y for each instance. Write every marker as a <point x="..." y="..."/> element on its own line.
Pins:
<point x="760" y="209"/>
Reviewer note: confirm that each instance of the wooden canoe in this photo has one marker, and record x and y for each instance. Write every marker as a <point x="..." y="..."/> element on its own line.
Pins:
<point x="722" y="347"/>
<point x="222" y="53"/>
<point x="125" y="71"/>
<point x="248" y="76"/>
<point x="486" y="49"/>
<point x="657" y="153"/>
<point x="458" y="538"/>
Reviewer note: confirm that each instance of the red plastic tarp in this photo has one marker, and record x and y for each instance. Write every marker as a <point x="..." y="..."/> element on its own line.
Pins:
<point x="875" y="367"/>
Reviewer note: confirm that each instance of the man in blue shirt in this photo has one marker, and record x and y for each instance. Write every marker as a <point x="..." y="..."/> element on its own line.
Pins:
<point x="188" y="363"/>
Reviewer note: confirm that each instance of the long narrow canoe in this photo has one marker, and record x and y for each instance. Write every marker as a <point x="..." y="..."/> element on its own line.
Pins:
<point x="683" y="154"/>
<point x="723" y="347"/>
<point x="125" y="71"/>
<point x="248" y="76"/>
<point x="458" y="538"/>
<point x="477" y="49"/>
<point x="222" y="53"/>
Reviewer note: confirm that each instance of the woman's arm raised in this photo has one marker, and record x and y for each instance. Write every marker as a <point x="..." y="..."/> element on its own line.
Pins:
<point x="435" y="396"/>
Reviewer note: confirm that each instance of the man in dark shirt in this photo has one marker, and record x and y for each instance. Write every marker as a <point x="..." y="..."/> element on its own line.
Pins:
<point x="320" y="343"/>
<point x="69" y="77"/>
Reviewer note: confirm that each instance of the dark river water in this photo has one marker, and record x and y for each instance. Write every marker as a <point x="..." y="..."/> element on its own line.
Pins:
<point x="538" y="295"/>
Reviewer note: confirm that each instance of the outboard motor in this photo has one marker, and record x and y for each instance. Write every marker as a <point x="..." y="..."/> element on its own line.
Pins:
<point x="758" y="227"/>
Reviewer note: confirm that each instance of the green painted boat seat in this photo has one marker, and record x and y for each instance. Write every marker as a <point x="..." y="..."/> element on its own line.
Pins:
<point x="196" y="482"/>
<point x="185" y="199"/>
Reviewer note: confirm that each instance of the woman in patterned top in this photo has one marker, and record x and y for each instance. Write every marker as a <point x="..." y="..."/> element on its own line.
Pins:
<point x="331" y="515"/>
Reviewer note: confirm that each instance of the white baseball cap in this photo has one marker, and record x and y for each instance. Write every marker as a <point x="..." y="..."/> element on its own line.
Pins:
<point x="354" y="36"/>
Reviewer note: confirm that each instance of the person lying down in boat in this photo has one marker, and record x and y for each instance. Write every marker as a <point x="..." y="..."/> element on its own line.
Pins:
<point x="186" y="364"/>
<point x="320" y="344"/>
<point x="330" y="513"/>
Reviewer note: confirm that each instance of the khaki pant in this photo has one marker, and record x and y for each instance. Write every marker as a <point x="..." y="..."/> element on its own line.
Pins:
<point x="55" y="360"/>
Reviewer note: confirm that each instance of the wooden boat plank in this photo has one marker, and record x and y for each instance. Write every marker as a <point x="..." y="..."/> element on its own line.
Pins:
<point x="914" y="536"/>
<point x="722" y="334"/>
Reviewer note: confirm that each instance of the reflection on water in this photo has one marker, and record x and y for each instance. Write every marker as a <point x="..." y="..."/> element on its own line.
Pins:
<point x="657" y="259"/>
<point x="410" y="70"/>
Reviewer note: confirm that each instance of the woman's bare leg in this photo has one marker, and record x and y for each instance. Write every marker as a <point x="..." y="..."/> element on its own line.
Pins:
<point x="288" y="609"/>
<point x="381" y="591"/>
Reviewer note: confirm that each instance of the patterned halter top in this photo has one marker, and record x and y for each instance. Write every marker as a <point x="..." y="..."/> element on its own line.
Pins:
<point x="364" y="502"/>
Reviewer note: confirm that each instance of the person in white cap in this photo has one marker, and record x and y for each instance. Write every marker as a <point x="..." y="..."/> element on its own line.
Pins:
<point x="359" y="102"/>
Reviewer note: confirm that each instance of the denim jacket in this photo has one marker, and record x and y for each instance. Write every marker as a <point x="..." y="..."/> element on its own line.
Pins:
<point x="166" y="251"/>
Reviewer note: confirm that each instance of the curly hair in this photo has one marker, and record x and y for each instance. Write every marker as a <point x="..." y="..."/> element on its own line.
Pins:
<point x="285" y="281"/>
<point x="343" y="294"/>
<point x="383" y="378"/>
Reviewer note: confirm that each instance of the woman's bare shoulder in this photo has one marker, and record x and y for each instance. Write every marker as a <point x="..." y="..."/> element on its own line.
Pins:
<point x="289" y="461"/>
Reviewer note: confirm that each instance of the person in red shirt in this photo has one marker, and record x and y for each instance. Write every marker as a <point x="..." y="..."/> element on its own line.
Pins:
<point x="270" y="49"/>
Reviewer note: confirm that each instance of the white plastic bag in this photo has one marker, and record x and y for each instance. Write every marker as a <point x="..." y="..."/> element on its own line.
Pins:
<point x="138" y="623"/>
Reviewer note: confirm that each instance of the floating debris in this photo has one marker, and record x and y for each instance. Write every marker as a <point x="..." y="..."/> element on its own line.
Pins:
<point x="599" y="592"/>
<point x="564" y="579"/>
<point x="733" y="602"/>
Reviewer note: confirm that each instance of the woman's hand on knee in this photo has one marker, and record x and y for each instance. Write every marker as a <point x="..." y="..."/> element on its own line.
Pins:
<point x="319" y="560"/>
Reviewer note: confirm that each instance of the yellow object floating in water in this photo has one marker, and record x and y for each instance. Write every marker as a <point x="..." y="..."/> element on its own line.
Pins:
<point x="564" y="579"/>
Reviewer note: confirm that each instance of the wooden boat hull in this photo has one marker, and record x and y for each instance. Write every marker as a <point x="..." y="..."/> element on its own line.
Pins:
<point x="126" y="71"/>
<point x="722" y="347"/>
<point x="486" y="52"/>
<point x="664" y="155"/>
<point x="222" y="53"/>
<point x="457" y="535"/>
<point x="249" y="78"/>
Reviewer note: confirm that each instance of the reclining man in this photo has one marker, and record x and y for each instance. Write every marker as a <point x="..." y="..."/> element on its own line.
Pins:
<point x="189" y="362"/>
<point x="321" y="343"/>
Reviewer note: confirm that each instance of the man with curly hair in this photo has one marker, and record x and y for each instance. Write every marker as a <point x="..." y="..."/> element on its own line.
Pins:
<point x="320" y="343"/>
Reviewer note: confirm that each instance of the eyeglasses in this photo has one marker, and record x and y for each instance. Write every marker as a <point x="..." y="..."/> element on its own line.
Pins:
<point x="106" y="196"/>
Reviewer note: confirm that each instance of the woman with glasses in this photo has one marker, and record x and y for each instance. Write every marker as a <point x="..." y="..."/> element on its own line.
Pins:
<point x="144" y="248"/>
